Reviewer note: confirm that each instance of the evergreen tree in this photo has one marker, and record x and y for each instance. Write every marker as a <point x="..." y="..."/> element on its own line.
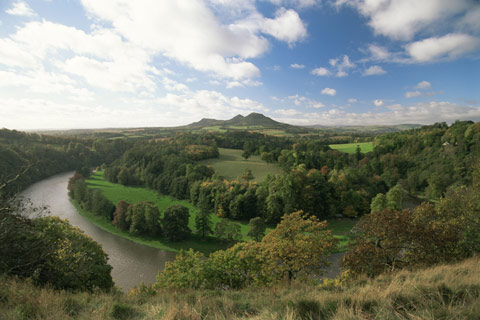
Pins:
<point x="203" y="222"/>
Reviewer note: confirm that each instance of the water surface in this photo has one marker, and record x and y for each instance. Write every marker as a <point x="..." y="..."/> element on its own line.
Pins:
<point x="132" y="263"/>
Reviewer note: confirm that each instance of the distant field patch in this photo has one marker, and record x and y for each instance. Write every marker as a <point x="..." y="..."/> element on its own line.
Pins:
<point x="231" y="165"/>
<point x="352" y="147"/>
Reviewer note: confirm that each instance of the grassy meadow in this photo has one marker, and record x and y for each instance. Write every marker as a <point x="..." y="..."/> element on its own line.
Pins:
<point x="231" y="165"/>
<point x="352" y="147"/>
<point x="116" y="192"/>
<point x="442" y="292"/>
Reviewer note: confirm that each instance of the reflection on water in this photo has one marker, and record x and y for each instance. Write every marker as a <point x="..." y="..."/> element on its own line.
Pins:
<point x="132" y="263"/>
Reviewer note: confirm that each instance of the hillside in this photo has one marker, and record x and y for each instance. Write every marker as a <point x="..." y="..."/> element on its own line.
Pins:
<point x="442" y="292"/>
<point x="254" y="122"/>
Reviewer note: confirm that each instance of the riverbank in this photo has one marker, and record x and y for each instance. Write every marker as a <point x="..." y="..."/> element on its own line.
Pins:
<point x="116" y="192"/>
<point x="206" y="246"/>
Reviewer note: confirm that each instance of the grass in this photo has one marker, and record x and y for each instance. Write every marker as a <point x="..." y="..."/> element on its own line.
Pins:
<point x="116" y="192"/>
<point x="352" y="147"/>
<point x="441" y="292"/>
<point x="231" y="165"/>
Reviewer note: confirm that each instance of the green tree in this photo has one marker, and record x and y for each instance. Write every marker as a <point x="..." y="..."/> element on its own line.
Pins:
<point x="175" y="223"/>
<point x="257" y="229"/>
<point x="228" y="231"/>
<point x="298" y="247"/>
<point x="378" y="203"/>
<point x="77" y="262"/>
<point x="246" y="154"/>
<point x="394" y="198"/>
<point x="203" y="221"/>
<point x="247" y="175"/>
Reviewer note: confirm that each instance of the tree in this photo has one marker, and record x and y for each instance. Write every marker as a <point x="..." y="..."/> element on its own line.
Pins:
<point x="77" y="262"/>
<point x="394" y="198"/>
<point x="144" y="218"/>
<point x="257" y="229"/>
<point x="378" y="203"/>
<point x="175" y="223"/>
<point x="299" y="246"/>
<point x="246" y="154"/>
<point x="120" y="215"/>
<point x="228" y="231"/>
<point x="203" y="222"/>
<point x="247" y="175"/>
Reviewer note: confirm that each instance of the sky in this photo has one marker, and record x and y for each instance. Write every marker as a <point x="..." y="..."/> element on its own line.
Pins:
<point x="154" y="63"/>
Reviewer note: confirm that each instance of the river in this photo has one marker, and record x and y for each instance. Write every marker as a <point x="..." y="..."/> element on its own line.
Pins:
<point x="132" y="263"/>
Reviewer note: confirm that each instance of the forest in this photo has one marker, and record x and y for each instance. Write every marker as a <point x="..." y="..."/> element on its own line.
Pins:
<point x="414" y="200"/>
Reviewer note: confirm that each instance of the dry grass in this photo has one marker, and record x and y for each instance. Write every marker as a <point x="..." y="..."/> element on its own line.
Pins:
<point x="443" y="292"/>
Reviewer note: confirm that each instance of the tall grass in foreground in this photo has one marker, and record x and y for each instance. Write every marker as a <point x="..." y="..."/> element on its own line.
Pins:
<point x="442" y="292"/>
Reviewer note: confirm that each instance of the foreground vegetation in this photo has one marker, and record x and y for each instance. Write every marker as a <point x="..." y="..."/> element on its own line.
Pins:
<point x="441" y="292"/>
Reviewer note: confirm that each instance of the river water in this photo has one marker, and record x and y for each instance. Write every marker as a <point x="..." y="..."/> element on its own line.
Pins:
<point x="132" y="263"/>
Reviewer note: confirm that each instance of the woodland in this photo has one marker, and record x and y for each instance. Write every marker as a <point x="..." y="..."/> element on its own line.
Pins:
<point x="414" y="199"/>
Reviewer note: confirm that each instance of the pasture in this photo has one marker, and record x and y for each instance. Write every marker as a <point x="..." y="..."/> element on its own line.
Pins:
<point x="116" y="192"/>
<point x="231" y="165"/>
<point x="352" y="147"/>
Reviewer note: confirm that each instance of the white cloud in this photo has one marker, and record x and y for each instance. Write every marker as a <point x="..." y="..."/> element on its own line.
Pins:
<point x="424" y="85"/>
<point x="287" y="112"/>
<point x="296" y="3"/>
<point x="378" y="52"/>
<point x="194" y="36"/>
<point x="412" y="94"/>
<point x="378" y="102"/>
<point x="421" y="113"/>
<point x="299" y="100"/>
<point x="297" y="66"/>
<point x="352" y="100"/>
<point x="344" y="65"/>
<point x="46" y="83"/>
<point x="320" y="72"/>
<point x="329" y="91"/>
<point x="20" y="8"/>
<point x="374" y="70"/>
<point x="402" y="19"/>
<point x="340" y="66"/>
<point x="450" y="46"/>
<point x="287" y="26"/>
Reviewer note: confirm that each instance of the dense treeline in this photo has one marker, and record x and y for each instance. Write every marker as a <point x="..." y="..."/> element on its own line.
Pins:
<point x="40" y="156"/>
<point x="141" y="218"/>
<point x="392" y="239"/>
<point x="166" y="166"/>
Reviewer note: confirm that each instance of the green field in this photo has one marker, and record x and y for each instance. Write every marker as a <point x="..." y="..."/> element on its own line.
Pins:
<point x="116" y="192"/>
<point x="231" y="165"/>
<point x="352" y="147"/>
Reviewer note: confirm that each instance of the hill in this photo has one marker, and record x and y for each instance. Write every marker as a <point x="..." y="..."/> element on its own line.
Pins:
<point x="253" y="122"/>
<point x="442" y="292"/>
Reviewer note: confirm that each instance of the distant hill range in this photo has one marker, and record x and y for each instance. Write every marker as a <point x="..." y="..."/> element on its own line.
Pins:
<point x="259" y="121"/>
<point x="254" y="122"/>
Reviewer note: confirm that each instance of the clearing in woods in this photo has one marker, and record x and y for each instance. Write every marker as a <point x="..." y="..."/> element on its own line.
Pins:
<point x="352" y="147"/>
<point x="231" y="165"/>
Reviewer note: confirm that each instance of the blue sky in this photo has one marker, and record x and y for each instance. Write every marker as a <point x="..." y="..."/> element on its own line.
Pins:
<point x="119" y="63"/>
